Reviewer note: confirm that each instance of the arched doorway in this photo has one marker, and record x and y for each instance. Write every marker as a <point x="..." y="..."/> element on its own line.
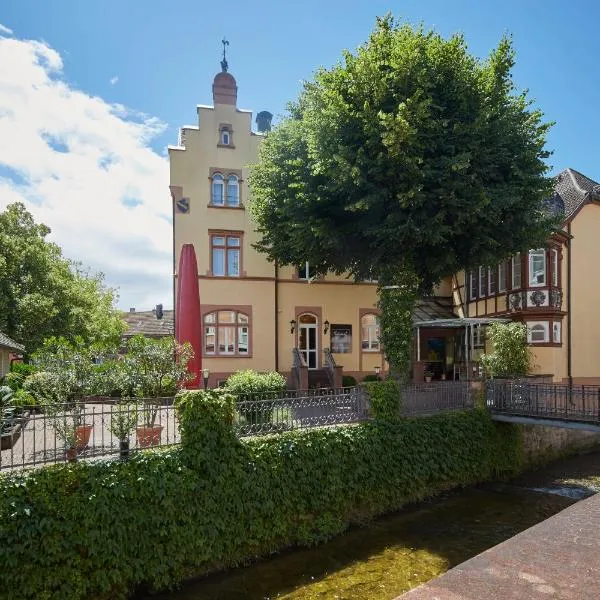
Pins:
<point x="308" y="340"/>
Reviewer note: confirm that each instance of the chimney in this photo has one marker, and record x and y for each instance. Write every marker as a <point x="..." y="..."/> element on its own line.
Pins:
<point x="132" y="310"/>
<point x="159" y="311"/>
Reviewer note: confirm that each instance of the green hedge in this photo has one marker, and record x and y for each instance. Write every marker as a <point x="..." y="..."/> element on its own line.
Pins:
<point x="97" y="530"/>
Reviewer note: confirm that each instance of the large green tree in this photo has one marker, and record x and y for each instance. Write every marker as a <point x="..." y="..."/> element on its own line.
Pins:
<point x="411" y="159"/>
<point x="42" y="294"/>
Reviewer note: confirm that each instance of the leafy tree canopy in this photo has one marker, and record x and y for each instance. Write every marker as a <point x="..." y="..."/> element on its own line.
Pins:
<point x="410" y="154"/>
<point x="42" y="294"/>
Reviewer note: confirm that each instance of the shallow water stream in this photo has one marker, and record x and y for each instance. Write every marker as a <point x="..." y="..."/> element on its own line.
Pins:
<point x="398" y="552"/>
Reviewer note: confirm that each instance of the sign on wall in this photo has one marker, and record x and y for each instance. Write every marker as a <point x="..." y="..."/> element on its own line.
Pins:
<point x="341" y="339"/>
<point x="182" y="205"/>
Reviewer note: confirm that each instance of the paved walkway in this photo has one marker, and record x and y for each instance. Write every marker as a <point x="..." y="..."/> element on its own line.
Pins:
<point x="556" y="559"/>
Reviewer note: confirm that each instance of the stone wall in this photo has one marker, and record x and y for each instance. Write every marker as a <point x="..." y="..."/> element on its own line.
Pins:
<point x="543" y="444"/>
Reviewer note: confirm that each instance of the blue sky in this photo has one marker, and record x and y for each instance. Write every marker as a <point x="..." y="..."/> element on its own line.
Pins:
<point x="158" y="59"/>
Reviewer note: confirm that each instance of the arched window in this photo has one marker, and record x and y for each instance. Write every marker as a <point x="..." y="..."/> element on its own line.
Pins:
<point x="226" y="333"/>
<point x="233" y="191"/>
<point x="217" y="189"/>
<point x="369" y="327"/>
<point x="225" y="137"/>
<point x="537" y="332"/>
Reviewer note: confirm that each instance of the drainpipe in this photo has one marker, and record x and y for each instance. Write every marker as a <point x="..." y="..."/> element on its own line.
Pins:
<point x="569" y="308"/>
<point x="276" y="317"/>
<point x="173" y="269"/>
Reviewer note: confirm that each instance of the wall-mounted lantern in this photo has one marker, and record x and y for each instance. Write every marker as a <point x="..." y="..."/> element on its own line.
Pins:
<point x="326" y="328"/>
<point x="292" y="325"/>
<point x="377" y="369"/>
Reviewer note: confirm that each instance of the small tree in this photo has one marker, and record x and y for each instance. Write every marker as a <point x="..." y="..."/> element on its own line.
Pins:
<point x="511" y="356"/>
<point x="155" y="368"/>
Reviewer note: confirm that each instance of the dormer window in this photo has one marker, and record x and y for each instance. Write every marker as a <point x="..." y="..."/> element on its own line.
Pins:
<point x="225" y="136"/>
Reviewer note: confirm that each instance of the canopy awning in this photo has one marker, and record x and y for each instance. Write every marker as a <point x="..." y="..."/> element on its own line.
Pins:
<point x="458" y="322"/>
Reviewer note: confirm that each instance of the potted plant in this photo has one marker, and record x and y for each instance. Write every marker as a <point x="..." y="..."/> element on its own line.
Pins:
<point x="67" y="368"/>
<point x="428" y="375"/>
<point x="148" y="433"/>
<point x="123" y="421"/>
<point x="154" y="369"/>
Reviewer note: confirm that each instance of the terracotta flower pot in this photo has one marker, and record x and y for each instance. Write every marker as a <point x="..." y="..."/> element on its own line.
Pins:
<point x="82" y="436"/>
<point x="148" y="436"/>
<point x="71" y="454"/>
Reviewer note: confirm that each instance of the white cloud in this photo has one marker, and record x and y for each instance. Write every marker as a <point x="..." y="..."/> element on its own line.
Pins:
<point x="84" y="167"/>
<point x="5" y="30"/>
<point x="114" y="80"/>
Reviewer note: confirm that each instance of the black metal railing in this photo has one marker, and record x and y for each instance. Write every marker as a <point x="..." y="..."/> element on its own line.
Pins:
<point x="89" y="429"/>
<point x="330" y="366"/>
<point x="438" y="396"/>
<point x="578" y="403"/>
<point x="274" y="412"/>
<point x="298" y="366"/>
<point x="85" y="429"/>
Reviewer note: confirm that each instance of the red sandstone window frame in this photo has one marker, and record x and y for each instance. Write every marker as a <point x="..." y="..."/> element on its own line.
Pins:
<point x="229" y="249"/>
<point x="226" y="333"/>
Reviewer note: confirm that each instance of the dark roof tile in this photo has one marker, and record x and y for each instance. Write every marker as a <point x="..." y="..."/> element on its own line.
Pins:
<point x="146" y="323"/>
<point x="572" y="187"/>
<point x="6" y="342"/>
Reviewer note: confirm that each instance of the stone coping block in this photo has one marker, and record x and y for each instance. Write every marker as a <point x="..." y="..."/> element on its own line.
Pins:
<point x="558" y="558"/>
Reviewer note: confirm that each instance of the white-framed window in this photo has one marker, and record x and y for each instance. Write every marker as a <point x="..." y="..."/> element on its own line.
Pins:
<point x="233" y="191"/>
<point x="537" y="267"/>
<point x="226" y="333"/>
<point x="217" y="196"/>
<point x="557" y="332"/>
<point x="472" y="285"/>
<point x="305" y="271"/>
<point x="537" y="332"/>
<point x="478" y="336"/>
<point x="492" y="279"/>
<point x="225" y="137"/>
<point x="482" y="278"/>
<point x="554" y="266"/>
<point x="502" y="277"/>
<point x="369" y="328"/>
<point x="516" y="271"/>
<point x="225" y="251"/>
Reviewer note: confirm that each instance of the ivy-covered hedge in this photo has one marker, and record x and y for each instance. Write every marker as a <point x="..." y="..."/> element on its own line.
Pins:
<point x="97" y="530"/>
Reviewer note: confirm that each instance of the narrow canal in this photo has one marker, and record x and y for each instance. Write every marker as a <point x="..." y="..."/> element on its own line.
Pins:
<point x="403" y="550"/>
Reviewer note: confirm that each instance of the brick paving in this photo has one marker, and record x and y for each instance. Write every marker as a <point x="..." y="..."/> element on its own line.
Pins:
<point x="558" y="559"/>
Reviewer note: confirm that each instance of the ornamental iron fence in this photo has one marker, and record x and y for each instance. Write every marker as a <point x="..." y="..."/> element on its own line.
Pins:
<point x="555" y="401"/>
<point x="421" y="399"/>
<point x="106" y="428"/>
<point x="84" y="429"/>
<point x="273" y="412"/>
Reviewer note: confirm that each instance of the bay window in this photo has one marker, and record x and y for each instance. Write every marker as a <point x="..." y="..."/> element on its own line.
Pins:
<point x="554" y="267"/>
<point x="537" y="267"/>
<point x="502" y="277"/>
<point x="516" y="271"/>
<point x="482" y="282"/>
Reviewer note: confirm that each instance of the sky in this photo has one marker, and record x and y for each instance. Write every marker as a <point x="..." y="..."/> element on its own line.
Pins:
<point x="91" y="93"/>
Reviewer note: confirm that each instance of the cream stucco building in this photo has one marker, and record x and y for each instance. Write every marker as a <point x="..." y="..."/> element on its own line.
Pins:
<point x="554" y="290"/>
<point x="255" y="315"/>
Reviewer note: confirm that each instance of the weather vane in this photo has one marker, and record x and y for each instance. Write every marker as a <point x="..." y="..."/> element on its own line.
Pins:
<point x="224" y="64"/>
